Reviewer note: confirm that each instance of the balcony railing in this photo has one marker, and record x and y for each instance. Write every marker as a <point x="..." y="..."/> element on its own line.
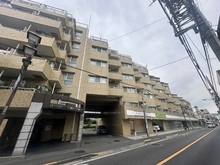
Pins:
<point x="44" y="7"/>
<point x="35" y="89"/>
<point x="99" y="39"/>
<point x="125" y="56"/>
<point x="81" y="25"/>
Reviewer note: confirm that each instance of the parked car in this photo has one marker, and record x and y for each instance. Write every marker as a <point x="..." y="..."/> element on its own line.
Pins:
<point x="156" y="127"/>
<point x="210" y="125"/>
<point x="102" y="129"/>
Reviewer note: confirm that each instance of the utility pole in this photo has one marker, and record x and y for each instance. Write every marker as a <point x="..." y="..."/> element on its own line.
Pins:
<point x="144" y="111"/>
<point x="183" y="110"/>
<point x="189" y="118"/>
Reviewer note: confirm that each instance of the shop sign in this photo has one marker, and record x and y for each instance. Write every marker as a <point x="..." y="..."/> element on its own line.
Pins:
<point x="136" y="113"/>
<point x="158" y="115"/>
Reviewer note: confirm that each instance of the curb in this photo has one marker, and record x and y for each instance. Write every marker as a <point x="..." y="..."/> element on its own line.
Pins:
<point x="71" y="159"/>
<point x="12" y="157"/>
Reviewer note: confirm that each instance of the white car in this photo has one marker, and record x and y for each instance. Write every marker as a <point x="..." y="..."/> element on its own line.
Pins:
<point x="210" y="125"/>
<point x="156" y="127"/>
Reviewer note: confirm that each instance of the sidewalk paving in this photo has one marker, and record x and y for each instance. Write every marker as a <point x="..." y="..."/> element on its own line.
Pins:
<point x="91" y="145"/>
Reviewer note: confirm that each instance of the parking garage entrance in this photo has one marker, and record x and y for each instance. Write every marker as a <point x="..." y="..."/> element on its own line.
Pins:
<point x="105" y="110"/>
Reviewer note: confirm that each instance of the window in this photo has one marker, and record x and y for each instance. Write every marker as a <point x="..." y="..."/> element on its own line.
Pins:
<point x="72" y="60"/>
<point x="75" y="46"/>
<point x="133" y="104"/>
<point x="78" y="34"/>
<point x="99" y="49"/>
<point x="149" y="96"/>
<point x="64" y="94"/>
<point x="126" y="76"/>
<point x="152" y="108"/>
<point x="126" y="65"/>
<point x="158" y="82"/>
<point x="144" y="75"/>
<point x="166" y="87"/>
<point x="147" y="85"/>
<point x="98" y="63"/>
<point x="160" y="91"/>
<point x="162" y="100"/>
<point x="68" y="78"/>
<point x="129" y="90"/>
<point x="97" y="79"/>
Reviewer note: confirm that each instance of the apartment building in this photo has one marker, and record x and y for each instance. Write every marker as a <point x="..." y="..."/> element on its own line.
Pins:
<point x="75" y="76"/>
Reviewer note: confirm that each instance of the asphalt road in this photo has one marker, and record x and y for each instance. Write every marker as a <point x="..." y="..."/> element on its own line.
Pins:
<point x="192" y="148"/>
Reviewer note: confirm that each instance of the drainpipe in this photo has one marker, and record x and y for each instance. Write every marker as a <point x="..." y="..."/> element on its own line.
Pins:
<point x="79" y="86"/>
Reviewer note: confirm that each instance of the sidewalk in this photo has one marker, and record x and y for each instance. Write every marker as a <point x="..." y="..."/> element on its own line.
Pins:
<point x="90" y="146"/>
<point x="144" y="135"/>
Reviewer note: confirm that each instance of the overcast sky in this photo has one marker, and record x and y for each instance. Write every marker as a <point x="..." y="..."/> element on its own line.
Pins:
<point x="154" y="45"/>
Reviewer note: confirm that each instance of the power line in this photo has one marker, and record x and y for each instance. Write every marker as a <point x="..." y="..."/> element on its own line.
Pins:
<point x="195" y="46"/>
<point x="169" y="63"/>
<point x="102" y="43"/>
<point x="136" y="30"/>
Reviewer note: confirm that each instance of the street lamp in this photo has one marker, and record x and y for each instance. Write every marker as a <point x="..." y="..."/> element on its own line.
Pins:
<point x="29" y="52"/>
<point x="33" y="38"/>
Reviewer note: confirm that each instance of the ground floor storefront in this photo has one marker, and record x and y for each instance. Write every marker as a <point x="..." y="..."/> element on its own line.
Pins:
<point x="135" y="123"/>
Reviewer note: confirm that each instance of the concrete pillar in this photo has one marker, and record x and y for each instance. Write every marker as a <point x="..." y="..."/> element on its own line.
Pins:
<point x="68" y="127"/>
<point x="34" y="111"/>
<point x="80" y="127"/>
<point x="164" y="122"/>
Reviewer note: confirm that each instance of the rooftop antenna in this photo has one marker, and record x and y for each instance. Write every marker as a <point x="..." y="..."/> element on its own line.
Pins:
<point x="100" y="35"/>
<point x="151" y="2"/>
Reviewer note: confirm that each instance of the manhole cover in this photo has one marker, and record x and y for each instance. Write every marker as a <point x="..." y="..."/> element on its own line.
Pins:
<point x="79" y="151"/>
<point x="116" y="140"/>
<point x="87" y="142"/>
<point x="156" y="144"/>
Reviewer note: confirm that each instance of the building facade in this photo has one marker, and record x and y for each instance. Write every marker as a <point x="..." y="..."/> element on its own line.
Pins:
<point x="75" y="76"/>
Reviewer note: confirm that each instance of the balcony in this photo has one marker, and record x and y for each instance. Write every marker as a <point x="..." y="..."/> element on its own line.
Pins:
<point x="146" y="80"/>
<point x="102" y="56"/>
<point x="22" y="98"/>
<point x="62" y="58"/>
<point x="114" y="76"/>
<point x="115" y="91"/>
<point x="46" y="10"/>
<point x="12" y="64"/>
<point x="137" y="75"/>
<point x="114" y="63"/>
<point x="129" y="71"/>
<point x="125" y="58"/>
<point x="100" y="42"/>
<point x="140" y="85"/>
<point x="13" y="37"/>
<point x="67" y="41"/>
<point x="20" y="20"/>
<point x="56" y="77"/>
<point x="113" y="54"/>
